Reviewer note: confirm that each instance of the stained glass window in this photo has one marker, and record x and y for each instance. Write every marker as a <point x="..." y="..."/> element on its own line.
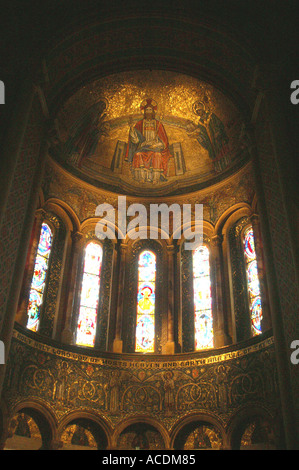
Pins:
<point x="203" y="320"/>
<point x="38" y="284"/>
<point x="253" y="286"/>
<point x="145" y="324"/>
<point x="89" y="299"/>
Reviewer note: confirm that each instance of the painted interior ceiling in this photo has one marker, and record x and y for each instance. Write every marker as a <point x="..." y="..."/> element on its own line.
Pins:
<point x="150" y="132"/>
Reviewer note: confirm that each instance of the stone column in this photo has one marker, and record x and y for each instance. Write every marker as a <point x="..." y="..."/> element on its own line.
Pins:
<point x="76" y="253"/>
<point x="266" y="321"/>
<point x="169" y="347"/>
<point x="118" y="343"/>
<point x="113" y="297"/>
<point x="276" y="185"/>
<point x="178" y="299"/>
<point x="21" y="316"/>
<point x="221" y="337"/>
<point x="281" y="345"/>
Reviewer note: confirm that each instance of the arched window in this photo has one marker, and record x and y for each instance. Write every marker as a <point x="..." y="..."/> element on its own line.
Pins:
<point x="146" y="290"/>
<point x="39" y="278"/>
<point x="203" y="319"/>
<point x="89" y="298"/>
<point x="253" y="285"/>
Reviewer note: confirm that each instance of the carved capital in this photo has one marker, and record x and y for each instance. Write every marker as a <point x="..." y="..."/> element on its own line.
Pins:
<point x="78" y="239"/>
<point x="123" y="248"/>
<point x="254" y="219"/>
<point x="171" y="249"/>
<point x="40" y="214"/>
<point x="217" y="240"/>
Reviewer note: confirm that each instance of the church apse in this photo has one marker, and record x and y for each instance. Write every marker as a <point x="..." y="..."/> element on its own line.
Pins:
<point x="149" y="131"/>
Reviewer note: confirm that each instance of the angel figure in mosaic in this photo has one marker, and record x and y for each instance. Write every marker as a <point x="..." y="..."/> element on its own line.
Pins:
<point x="169" y="386"/>
<point x="60" y="385"/>
<point x="113" y="388"/>
<point x="86" y="132"/>
<point x="211" y="135"/>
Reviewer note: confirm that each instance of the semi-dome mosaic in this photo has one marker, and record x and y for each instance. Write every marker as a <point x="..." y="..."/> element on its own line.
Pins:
<point x="150" y="132"/>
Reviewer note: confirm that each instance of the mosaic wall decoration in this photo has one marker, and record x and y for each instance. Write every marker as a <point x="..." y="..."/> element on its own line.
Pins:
<point x="23" y="433"/>
<point x="201" y="437"/>
<point x="140" y="437"/>
<point x="66" y="380"/>
<point x="17" y="204"/>
<point x="76" y="436"/>
<point x="139" y="131"/>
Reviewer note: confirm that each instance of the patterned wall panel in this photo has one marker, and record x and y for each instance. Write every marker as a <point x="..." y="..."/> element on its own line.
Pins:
<point x="166" y="389"/>
<point x="17" y="204"/>
<point x="282" y="254"/>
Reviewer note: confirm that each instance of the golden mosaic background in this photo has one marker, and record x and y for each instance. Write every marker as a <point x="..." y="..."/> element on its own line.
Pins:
<point x="116" y="101"/>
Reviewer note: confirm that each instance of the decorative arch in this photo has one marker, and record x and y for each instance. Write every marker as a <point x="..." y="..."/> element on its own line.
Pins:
<point x="248" y="415"/>
<point x="64" y="211"/>
<point x="140" y="423"/>
<point x="185" y="426"/>
<point x="231" y="215"/>
<point x="100" y="429"/>
<point x="43" y="417"/>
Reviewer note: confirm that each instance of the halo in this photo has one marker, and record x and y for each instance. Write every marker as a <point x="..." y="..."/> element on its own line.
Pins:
<point x="148" y="102"/>
<point x="198" y="104"/>
<point x="146" y="287"/>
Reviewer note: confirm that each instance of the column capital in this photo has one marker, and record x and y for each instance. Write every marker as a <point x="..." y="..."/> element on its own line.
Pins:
<point x="77" y="237"/>
<point x="254" y="219"/>
<point x="216" y="240"/>
<point x="40" y="213"/>
<point x="123" y="247"/>
<point x="171" y="249"/>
